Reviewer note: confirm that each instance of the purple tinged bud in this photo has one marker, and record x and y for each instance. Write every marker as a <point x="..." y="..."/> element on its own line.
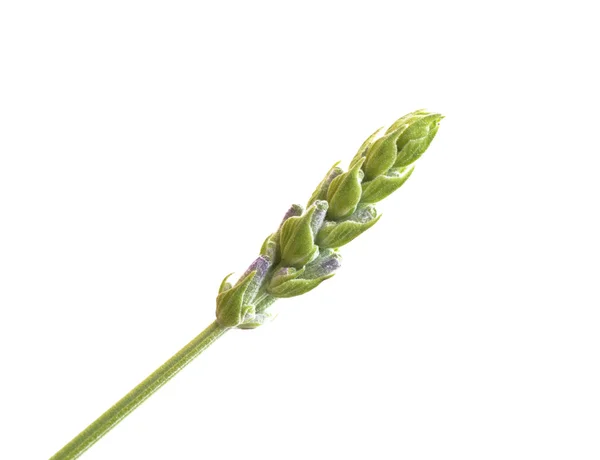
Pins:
<point x="330" y="265"/>
<point x="364" y="214"/>
<point x="326" y="264"/>
<point x="337" y="234"/>
<point x="284" y="271"/>
<point x="289" y="282"/>
<point x="319" y="216"/>
<point x="261" y="265"/>
<point x="295" y="210"/>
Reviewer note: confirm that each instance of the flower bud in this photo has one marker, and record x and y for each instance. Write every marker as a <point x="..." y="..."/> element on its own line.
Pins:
<point x="318" y="218"/>
<point x="295" y="210"/>
<point x="289" y="282"/>
<point x="260" y="265"/>
<point x="231" y="310"/>
<point x="406" y="120"/>
<point x="344" y="193"/>
<point x="381" y="156"/>
<point x="326" y="264"/>
<point x="362" y="151"/>
<point x="320" y="192"/>
<point x="414" y="140"/>
<point x="270" y="247"/>
<point x="296" y="287"/>
<point x="383" y="186"/>
<point x="337" y="234"/>
<point x="297" y="238"/>
<point x="284" y="274"/>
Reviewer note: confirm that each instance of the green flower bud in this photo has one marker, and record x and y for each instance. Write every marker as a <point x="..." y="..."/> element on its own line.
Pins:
<point x="282" y="275"/>
<point x="297" y="237"/>
<point x="382" y="186"/>
<point x="289" y="282"/>
<point x="337" y="234"/>
<point x="414" y="140"/>
<point x="381" y="156"/>
<point x="344" y="193"/>
<point x="295" y="287"/>
<point x="362" y="151"/>
<point x="406" y="120"/>
<point x="320" y="192"/>
<point x="282" y="284"/>
<point x="231" y="310"/>
<point x="270" y="247"/>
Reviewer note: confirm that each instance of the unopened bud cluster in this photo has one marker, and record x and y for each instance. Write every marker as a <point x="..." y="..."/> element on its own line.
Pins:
<point x="303" y="252"/>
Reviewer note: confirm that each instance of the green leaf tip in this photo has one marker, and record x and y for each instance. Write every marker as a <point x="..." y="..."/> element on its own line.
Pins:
<point x="225" y="285"/>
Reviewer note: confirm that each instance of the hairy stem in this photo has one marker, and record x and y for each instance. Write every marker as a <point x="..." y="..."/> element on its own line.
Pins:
<point x="109" y="419"/>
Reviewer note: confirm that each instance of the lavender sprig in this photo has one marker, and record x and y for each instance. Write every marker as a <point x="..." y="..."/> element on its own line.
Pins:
<point x="303" y="252"/>
<point x="297" y="257"/>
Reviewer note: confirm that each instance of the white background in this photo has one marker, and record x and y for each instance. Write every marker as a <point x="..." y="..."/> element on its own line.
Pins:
<point x="146" y="150"/>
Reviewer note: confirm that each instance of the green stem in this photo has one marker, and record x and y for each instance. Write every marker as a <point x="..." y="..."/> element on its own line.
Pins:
<point x="139" y="394"/>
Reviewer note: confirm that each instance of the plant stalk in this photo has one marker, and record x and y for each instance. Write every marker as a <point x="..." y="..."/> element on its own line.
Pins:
<point x="109" y="419"/>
